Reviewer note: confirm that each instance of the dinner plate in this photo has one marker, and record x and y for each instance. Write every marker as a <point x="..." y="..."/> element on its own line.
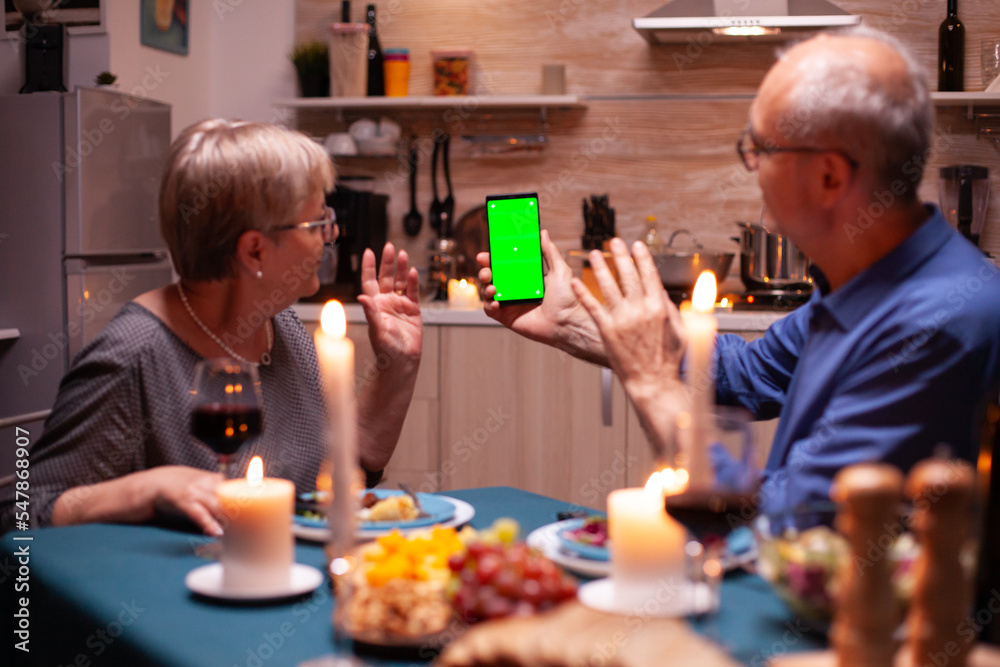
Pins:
<point x="436" y="510"/>
<point x="461" y="513"/>
<point x="581" y="549"/>
<point x="207" y="580"/>
<point x="546" y="539"/>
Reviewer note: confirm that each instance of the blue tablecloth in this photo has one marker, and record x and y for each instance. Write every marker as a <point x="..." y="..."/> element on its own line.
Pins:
<point x="109" y="594"/>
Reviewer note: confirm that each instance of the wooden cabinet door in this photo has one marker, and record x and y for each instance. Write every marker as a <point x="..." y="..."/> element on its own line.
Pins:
<point x="518" y="413"/>
<point x="417" y="456"/>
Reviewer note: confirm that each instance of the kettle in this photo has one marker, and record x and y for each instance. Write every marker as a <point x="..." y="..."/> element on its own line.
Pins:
<point x="963" y="191"/>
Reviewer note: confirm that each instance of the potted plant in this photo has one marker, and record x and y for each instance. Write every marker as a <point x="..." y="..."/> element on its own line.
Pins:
<point x="106" y="80"/>
<point x="312" y="64"/>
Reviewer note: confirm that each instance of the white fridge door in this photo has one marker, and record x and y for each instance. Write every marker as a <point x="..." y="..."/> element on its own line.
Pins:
<point x="115" y="150"/>
<point x="95" y="294"/>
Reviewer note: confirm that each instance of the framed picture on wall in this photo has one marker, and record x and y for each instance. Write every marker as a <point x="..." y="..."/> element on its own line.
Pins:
<point x="79" y="16"/>
<point x="163" y="24"/>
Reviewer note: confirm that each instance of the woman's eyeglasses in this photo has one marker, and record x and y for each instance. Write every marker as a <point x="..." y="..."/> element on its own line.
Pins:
<point x="328" y="225"/>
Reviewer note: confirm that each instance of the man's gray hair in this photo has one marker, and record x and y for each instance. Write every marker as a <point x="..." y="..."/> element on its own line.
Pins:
<point x="884" y="124"/>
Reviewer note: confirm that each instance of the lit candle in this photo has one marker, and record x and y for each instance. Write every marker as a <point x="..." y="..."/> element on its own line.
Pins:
<point x="647" y="544"/>
<point x="701" y="328"/>
<point x="336" y="364"/>
<point x="257" y="545"/>
<point x="463" y="294"/>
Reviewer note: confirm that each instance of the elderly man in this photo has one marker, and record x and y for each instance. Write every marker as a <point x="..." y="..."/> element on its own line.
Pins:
<point x="899" y="345"/>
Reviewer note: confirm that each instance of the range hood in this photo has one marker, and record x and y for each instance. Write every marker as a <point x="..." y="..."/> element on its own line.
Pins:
<point x="681" y="21"/>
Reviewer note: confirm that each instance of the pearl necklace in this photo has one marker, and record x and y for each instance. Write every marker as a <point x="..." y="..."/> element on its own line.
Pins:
<point x="265" y="359"/>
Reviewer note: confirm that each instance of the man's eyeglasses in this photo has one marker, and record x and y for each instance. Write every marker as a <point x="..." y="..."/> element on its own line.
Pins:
<point x="750" y="150"/>
<point x="327" y="225"/>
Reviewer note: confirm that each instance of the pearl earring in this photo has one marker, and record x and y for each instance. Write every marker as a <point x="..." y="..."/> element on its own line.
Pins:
<point x="260" y="274"/>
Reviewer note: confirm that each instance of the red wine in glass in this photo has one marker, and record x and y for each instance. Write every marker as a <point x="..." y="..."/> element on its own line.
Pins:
<point x="226" y="411"/>
<point x="711" y="513"/>
<point x="224" y="428"/>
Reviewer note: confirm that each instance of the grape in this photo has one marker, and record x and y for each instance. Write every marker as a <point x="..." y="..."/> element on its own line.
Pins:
<point x="496" y="580"/>
<point x="488" y="568"/>
<point x="456" y="562"/>
<point x="531" y="591"/>
<point x="508" y="583"/>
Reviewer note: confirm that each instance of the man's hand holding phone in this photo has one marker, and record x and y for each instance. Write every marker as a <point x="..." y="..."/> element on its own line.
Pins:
<point x="559" y="319"/>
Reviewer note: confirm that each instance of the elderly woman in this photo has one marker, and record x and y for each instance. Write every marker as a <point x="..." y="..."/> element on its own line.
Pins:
<point x="242" y="210"/>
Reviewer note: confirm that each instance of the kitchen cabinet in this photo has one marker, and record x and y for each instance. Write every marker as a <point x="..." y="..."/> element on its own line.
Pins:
<point x="417" y="456"/>
<point x="517" y="413"/>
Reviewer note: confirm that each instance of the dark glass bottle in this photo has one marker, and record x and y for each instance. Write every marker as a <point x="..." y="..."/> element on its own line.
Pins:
<point x="345" y="11"/>
<point x="376" y="73"/>
<point x="951" y="51"/>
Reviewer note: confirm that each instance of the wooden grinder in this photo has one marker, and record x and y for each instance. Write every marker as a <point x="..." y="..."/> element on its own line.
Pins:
<point x="942" y="493"/>
<point x="868" y="495"/>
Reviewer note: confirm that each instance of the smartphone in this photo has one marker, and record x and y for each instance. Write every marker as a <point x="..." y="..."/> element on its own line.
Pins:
<point x="515" y="240"/>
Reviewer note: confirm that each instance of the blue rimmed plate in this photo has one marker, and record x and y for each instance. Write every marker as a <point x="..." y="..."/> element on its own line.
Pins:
<point x="581" y="549"/>
<point x="439" y="509"/>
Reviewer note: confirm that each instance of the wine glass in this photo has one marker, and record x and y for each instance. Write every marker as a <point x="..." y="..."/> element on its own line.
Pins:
<point x="712" y="497"/>
<point x="227" y="407"/>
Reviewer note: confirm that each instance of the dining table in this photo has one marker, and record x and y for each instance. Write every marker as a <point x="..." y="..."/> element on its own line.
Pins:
<point x="109" y="594"/>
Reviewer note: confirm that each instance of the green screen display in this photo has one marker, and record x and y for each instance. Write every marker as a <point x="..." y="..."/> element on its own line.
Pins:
<point x="515" y="247"/>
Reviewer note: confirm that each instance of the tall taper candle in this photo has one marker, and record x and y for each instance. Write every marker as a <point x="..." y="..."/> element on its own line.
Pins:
<point x="701" y="327"/>
<point x="336" y="364"/>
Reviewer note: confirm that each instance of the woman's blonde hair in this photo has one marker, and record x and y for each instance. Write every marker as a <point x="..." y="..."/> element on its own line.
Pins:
<point x="224" y="178"/>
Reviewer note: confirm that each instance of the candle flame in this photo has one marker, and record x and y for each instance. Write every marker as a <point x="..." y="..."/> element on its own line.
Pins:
<point x="703" y="299"/>
<point x="463" y="283"/>
<point x="667" y="482"/>
<point x="255" y="471"/>
<point x="724" y="303"/>
<point x="333" y="319"/>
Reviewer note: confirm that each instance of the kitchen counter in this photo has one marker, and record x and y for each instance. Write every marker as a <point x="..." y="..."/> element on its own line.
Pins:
<point x="437" y="313"/>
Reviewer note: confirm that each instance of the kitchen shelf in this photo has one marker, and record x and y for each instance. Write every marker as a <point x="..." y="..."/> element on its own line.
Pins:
<point x="969" y="100"/>
<point x="10" y="334"/>
<point x="436" y="102"/>
<point x="670" y="97"/>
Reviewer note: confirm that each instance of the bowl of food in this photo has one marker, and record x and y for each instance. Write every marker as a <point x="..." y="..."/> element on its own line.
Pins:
<point x="420" y="590"/>
<point x="800" y="554"/>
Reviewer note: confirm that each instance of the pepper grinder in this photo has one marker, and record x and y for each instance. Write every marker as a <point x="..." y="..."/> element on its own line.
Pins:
<point x="865" y="618"/>
<point x="942" y="492"/>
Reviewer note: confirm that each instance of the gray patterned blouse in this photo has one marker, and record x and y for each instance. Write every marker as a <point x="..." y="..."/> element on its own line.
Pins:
<point x="124" y="406"/>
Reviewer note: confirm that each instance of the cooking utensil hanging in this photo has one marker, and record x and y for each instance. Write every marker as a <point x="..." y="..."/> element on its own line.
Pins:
<point x="413" y="220"/>
<point x="434" y="215"/>
<point x="448" y="206"/>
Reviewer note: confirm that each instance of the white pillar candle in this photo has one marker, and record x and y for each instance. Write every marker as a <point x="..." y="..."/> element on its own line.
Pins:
<point x="701" y="329"/>
<point x="336" y="364"/>
<point x="647" y="545"/>
<point x="257" y="545"/>
<point x="463" y="294"/>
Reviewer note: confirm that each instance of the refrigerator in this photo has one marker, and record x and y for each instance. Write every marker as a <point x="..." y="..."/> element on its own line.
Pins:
<point x="79" y="235"/>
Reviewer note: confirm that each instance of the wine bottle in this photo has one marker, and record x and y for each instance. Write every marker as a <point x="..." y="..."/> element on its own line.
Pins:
<point x="376" y="62"/>
<point x="951" y="51"/>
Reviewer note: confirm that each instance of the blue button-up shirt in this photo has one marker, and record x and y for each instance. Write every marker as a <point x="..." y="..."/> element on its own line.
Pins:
<point x="895" y="362"/>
